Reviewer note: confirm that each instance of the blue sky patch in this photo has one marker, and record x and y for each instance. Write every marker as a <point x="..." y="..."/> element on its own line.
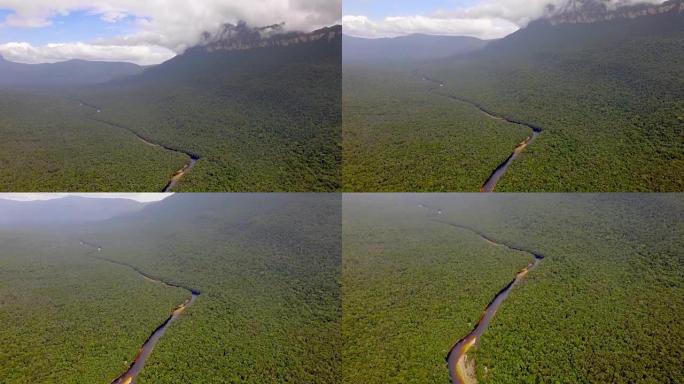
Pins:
<point x="75" y="27"/>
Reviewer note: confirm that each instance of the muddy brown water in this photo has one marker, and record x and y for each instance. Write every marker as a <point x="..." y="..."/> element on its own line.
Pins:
<point x="175" y="179"/>
<point x="457" y="356"/>
<point x="129" y="377"/>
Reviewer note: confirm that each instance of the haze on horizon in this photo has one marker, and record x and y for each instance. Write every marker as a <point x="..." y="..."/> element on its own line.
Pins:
<point x="139" y="197"/>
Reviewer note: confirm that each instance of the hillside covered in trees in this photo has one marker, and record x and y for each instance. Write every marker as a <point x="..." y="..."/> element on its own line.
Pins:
<point x="603" y="306"/>
<point x="79" y="300"/>
<point x="257" y="113"/>
<point x="605" y="88"/>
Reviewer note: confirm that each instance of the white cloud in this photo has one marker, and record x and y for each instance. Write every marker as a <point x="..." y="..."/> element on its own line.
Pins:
<point x="50" y="53"/>
<point x="140" y="197"/>
<point x="484" y="28"/>
<point x="170" y="24"/>
<point x="487" y="19"/>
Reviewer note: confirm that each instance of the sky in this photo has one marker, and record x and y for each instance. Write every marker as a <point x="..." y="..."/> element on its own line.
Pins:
<point x="485" y="19"/>
<point x="144" y="32"/>
<point x="140" y="197"/>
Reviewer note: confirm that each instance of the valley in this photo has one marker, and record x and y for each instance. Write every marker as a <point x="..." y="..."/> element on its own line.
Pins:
<point x="425" y="277"/>
<point x="607" y="92"/>
<point x="265" y="265"/>
<point x="400" y="135"/>
<point x="176" y="177"/>
<point x="490" y="184"/>
<point x="138" y="363"/>
<point x="413" y="287"/>
<point x="50" y="144"/>
<point x="264" y="117"/>
<point x="70" y="318"/>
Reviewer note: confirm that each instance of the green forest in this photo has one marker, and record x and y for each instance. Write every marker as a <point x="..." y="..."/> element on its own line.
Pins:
<point x="49" y="144"/>
<point x="260" y="120"/>
<point x="294" y="290"/>
<point x="400" y="136"/>
<point x="612" y="108"/>
<point x="412" y="288"/>
<point x="607" y="95"/>
<point x="604" y="305"/>
<point x="70" y="318"/>
<point x="271" y="123"/>
<point x="269" y="311"/>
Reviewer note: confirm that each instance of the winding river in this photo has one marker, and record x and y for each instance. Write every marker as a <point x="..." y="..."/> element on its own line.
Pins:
<point x="178" y="175"/>
<point x="145" y="351"/>
<point x="496" y="175"/>
<point x="460" y="370"/>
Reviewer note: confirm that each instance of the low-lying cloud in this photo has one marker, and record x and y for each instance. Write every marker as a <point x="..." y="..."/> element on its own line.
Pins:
<point x="163" y="27"/>
<point x="484" y="28"/>
<point x="488" y="19"/>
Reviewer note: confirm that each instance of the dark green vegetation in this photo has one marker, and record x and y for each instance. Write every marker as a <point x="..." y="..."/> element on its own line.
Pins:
<point x="69" y="318"/>
<point x="262" y="119"/>
<point x="412" y="287"/>
<point x="400" y="136"/>
<point x="267" y="267"/>
<point x="604" y="305"/>
<point x="48" y="145"/>
<point x="608" y="94"/>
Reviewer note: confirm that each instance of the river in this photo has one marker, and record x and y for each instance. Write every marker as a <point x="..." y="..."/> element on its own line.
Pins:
<point x="145" y="351"/>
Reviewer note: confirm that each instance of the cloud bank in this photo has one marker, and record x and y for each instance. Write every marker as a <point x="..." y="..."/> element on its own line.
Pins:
<point x="487" y="19"/>
<point x="163" y="27"/>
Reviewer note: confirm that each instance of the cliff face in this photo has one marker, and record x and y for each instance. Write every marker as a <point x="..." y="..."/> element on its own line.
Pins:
<point x="241" y="37"/>
<point x="591" y="11"/>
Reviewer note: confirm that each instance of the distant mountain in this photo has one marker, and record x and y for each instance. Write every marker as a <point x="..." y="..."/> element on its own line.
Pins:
<point x="415" y="47"/>
<point x="72" y="72"/>
<point x="68" y="210"/>
<point x="591" y="11"/>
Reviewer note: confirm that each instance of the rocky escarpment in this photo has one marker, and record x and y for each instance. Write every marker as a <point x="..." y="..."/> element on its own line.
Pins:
<point x="591" y="11"/>
<point x="242" y="37"/>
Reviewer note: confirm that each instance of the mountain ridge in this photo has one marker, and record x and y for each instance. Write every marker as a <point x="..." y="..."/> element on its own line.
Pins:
<point x="240" y="37"/>
<point x="70" y="72"/>
<point x="414" y="47"/>
<point x="592" y="11"/>
<point x="65" y="210"/>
